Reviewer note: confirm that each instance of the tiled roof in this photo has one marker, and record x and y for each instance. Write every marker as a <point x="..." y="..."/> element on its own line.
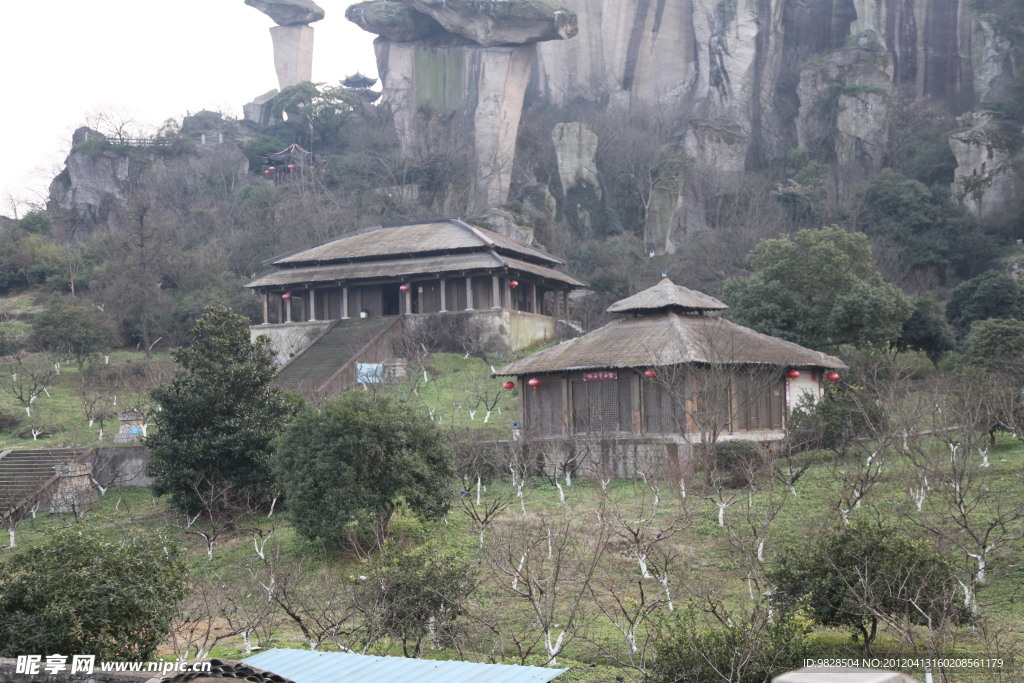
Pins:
<point x="669" y="339"/>
<point x="396" y="268"/>
<point x="389" y="241"/>
<point x="664" y="295"/>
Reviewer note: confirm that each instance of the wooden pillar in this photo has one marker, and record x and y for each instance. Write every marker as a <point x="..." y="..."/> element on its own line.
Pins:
<point x="533" y="298"/>
<point x="444" y="295"/>
<point x="344" y="302"/>
<point x="266" y="307"/>
<point x="566" y="403"/>
<point x="280" y="310"/>
<point x="288" y="308"/>
<point x="565" y="304"/>
<point x="495" y="291"/>
<point x="636" y="400"/>
<point x="312" y="305"/>
<point x="419" y="298"/>
<point x="469" y="293"/>
<point x="408" y="301"/>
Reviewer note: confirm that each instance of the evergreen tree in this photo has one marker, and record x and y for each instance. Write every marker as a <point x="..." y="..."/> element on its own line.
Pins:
<point x="819" y="289"/>
<point x="212" y="445"/>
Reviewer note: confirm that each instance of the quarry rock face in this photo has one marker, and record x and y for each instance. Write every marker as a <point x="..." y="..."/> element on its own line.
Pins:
<point x="467" y="72"/>
<point x="395" y="21"/>
<point x="823" y="76"/>
<point x="986" y="181"/>
<point x="293" y="54"/>
<point x="500" y="22"/>
<point x="289" y="12"/>
<point x="292" y="37"/>
<point x="576" y="154"/>
<point x="844" y="106"/>
<point x="480" y="88"/>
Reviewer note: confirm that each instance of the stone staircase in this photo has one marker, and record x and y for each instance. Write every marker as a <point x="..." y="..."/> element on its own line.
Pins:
<point x="27" y="476"/>
<point x="332" y="352"/>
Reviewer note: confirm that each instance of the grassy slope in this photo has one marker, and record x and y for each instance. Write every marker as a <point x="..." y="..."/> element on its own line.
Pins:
<point x="706" y="554"/>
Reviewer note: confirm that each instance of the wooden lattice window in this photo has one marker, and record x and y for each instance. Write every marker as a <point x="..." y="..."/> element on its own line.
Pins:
<point x="760" y="401"/>
<point x="543" y="406"/>
<point x="602" y="407"/>
<point x="664" y="405"/>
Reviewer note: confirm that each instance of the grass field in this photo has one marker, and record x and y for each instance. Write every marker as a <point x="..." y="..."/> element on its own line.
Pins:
<point x="583" y="554"/>
<point x="702" y="560"/>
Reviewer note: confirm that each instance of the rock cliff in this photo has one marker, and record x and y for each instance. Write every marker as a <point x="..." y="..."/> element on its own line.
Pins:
<point x="746" y="80"/>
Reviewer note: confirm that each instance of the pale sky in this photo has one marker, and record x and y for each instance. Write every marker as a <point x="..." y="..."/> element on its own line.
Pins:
<point x="65" y="60"/>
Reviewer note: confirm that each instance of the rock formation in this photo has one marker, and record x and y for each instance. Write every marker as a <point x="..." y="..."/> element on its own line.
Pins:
<point x="292" y="37"/>
<point x="467" y="62"/>
<point x="777" y="75"/>
<point x="986" y="181"/>
<point x="289" y="12"/>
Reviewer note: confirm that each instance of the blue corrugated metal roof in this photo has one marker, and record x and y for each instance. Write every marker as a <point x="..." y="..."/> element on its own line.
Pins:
<point x="304" y="666"/>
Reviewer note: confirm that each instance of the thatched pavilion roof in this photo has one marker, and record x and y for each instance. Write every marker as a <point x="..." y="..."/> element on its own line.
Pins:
<point x="667" y="295"/>
<point x="668" y="338"/>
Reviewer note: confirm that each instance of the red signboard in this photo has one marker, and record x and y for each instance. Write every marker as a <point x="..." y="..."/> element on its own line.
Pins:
<point x="599" y="376"/>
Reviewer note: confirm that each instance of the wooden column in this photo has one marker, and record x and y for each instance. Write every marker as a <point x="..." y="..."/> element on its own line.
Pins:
<point x="288" y="309"/>
<point x="408" y="301"/>
<point x="533" y="298"/>
<point x="312" y="305"/>
<point x="266" y="307"/>
<point x="344" y="302"/>
<point x="444" y="295"/>
<point x="495" y="291"/>
<point x="469" y="293"/>
<point x="565" y="304"/>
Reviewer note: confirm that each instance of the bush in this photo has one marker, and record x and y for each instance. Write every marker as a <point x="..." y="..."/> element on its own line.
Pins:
<point x="753" y="650"/>
<point x="855" y="575"/>
<point x="738" y="461"/>
<point x="347" y="468"/>
<point x="8" y="422"/>
<point x="844" y="414"/>
<point x="418" y="592"/>
<point x="80" y="594"/>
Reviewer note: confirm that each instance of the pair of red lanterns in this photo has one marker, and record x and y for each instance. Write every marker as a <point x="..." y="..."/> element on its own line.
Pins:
<point x="533" y="382"/>
<point x="831" y="377"/>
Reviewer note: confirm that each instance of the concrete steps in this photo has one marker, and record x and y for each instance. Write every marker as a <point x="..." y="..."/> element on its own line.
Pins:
<point x="24" y="472"/>
<point x="337" y="347"/>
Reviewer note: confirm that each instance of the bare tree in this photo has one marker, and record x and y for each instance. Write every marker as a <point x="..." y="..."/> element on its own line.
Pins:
<point x="26" y="379"/>
<point x="547" y="565"/>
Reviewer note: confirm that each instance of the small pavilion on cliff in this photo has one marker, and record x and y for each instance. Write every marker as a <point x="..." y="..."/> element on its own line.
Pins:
<point x="413" y="268"/>
<point x="668" y="371"/>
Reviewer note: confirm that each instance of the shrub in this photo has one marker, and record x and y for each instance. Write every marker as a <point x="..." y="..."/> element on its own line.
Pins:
<point x="738" y="461"/>
<point x="80" y="594"/>
<point x="752" y="650"/>
<point x="347" y="468"/>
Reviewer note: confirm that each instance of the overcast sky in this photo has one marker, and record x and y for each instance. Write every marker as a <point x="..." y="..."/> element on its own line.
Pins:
<point x="65" y="60"/>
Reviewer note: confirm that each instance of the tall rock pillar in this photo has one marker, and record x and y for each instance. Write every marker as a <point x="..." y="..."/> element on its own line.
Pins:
<point x="466" y="64"/>
<point x="292" y="37"/>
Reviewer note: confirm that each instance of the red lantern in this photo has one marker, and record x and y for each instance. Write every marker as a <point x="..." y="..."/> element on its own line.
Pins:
<point x="793" y="374"/>
<point x="267" y="172"/>
<point x="513" y="284"/>
<point x="509" y="385"/>
<point x="650" y="373"/>
<point x="291" y="167"/>
<point x="534" y="382"/>
<point x="403" y="288"/>
<point x="286" y="296"/>
<point x="832" y="377"/>
<point x="272" y="168"/>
